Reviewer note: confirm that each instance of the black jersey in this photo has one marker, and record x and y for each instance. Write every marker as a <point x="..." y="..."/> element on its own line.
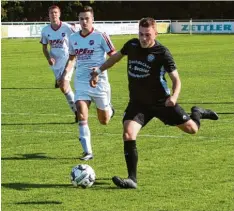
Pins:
<point x="146" y="71"/>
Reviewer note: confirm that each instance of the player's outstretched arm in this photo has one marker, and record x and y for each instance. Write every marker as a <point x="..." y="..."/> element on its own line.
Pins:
<point x="108" y="64"/>
<point x="111" y="61"/>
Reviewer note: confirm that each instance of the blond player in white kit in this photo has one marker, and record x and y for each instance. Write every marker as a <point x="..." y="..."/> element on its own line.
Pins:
<point x="57" y="34"/>
<point x="89" y="48"/>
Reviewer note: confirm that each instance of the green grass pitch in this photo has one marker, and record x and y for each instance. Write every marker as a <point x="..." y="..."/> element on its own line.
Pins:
<point x="176" y="171"/>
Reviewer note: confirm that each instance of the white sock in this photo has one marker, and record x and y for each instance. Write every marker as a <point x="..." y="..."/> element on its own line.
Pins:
<point x="70" y="100"/>
<point x="85" y="138"/>
<point x="110" y="111"/>
<point x="109" y="97"/>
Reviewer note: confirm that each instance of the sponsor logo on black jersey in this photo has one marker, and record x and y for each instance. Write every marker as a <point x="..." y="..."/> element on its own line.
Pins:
<point x="150" y="57"/>
<point x="184" y="117"/>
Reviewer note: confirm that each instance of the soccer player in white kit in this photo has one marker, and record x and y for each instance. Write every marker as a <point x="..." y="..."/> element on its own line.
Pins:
<point x="57" y="36"/>
<point x="89" y="47"/>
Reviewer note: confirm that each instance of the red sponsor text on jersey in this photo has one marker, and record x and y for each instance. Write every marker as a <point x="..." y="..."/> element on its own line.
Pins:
<point x="58" y="41"/>
<point x="81" y="51"/>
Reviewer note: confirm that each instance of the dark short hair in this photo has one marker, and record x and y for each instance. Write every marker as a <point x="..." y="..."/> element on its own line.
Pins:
<point x="54" y="7"/>
<point x="147" y="22"/>
<point x="87" y="9"/>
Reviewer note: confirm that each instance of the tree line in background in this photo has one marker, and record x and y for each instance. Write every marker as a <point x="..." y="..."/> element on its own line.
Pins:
<point x="118" y="10"/>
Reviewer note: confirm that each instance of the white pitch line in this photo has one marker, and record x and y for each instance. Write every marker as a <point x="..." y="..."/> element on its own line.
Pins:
<point x="110" y="134"/>
<point x="35" y="114"/>
<point x="106" y="134"/>
<point x="91" y="116"/>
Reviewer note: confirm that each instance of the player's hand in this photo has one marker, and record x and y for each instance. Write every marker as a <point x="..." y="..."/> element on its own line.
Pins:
<point x="51" y="61"/>
<point x="94" y="77"/>
<point x="171" y="101"/>
<point x="94" y="71"/>
<point x="93" y="81"/>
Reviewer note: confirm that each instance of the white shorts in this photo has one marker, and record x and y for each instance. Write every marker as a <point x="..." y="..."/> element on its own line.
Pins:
<point x="100" y="95"/>
<point x="58" y="74"/>
<point x="58" y="69"/>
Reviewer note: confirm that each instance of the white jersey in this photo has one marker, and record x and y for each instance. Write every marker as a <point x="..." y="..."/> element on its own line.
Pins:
<point x="90" y="51"/>
<point x="59" y="43"/>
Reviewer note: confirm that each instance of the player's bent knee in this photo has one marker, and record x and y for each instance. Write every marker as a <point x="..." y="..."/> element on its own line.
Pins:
<point x="81" y="117"/>
<point x="64" y="90"/>
<point x="193" y="131"/>
<point x="128" y="136"/>
<point x="104" y="121"/>
<point x="190" y="128"/>
<point x="64" y="86"/>
<point x="103" y="117"/>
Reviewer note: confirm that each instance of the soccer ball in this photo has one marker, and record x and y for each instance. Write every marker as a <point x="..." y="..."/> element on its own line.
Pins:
<point x="83" y="175"/>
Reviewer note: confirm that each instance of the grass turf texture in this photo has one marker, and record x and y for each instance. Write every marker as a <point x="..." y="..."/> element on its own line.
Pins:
<point x="176" y="171"/>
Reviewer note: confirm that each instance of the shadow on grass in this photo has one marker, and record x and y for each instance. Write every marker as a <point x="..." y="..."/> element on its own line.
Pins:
<point x="36" y="156"/>
<point x="102" y="181"/>
<point x="38" y="202"/>
<point x="99" y="183"/>
<point x="28" y="157"/>
<point x="27" y="186"/>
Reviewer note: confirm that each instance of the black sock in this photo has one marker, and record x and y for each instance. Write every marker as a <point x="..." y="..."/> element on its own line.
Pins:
<point x="196" y="116"/>
<point x="131" y="158"/>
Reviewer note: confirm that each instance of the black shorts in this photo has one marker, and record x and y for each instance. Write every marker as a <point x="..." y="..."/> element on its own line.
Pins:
<point x="142" y="114"/>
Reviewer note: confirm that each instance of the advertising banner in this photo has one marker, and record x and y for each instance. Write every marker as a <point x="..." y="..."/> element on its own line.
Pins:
<point x="121" y="28"/>
<point x="4" y="31"/>
<point x="18" y="31"/>
<point x="202" y="27"/>
<point x="163" y="28"/>
<point x="127" y="28"/>
<point x="35" y="30"/>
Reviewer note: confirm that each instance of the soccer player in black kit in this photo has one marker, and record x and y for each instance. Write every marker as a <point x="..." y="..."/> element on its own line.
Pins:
<point x="149" y="95"/>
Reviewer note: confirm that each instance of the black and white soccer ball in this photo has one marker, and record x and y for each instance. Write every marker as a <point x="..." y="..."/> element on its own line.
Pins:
<point x="83" y="175"/>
